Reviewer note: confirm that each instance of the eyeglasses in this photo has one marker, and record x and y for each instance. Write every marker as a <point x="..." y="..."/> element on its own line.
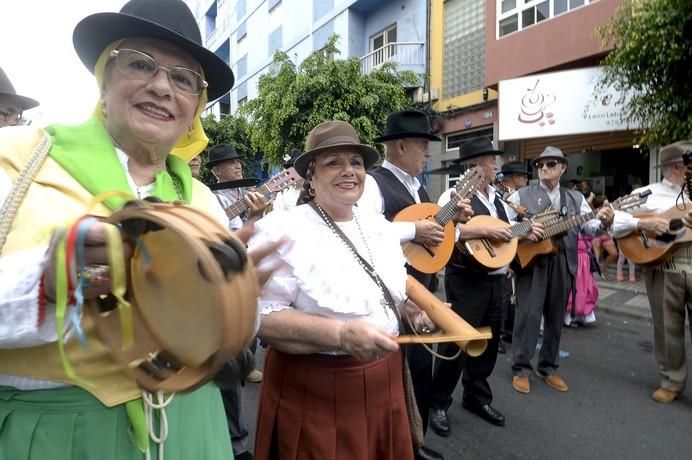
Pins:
<point x="141" y="66"/>
<point x="11" y="117"/>
<point x="550" y="164"/>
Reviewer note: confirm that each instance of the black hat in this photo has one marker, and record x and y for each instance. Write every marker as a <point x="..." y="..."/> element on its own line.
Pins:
<point x="514" y="167"/>
<point x="6" y="89"/>
<point x="550" y="152"/>
<point x="331" y="135"/>
<point x="167" y="20"/>
<point x="220" y="153"/>
<point x="408" y="123"/>
<point x="476" y="147"/>
<point x="289" y="160"/>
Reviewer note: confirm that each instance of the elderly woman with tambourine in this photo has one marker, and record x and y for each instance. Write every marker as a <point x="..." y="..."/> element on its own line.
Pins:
<point x="67" y="391"/>
<point x="333" y="385"/>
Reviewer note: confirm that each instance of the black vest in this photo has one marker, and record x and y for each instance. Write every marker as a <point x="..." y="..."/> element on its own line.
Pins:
<point x="395" y="195"/>
<point x="462" y="262"/>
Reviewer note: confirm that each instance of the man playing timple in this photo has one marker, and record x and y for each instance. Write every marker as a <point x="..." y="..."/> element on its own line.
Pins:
<point x="12" y="104"/>
<point x="225" y="164"/>
<point x="542" y="288"/>
<point x="476" y="296"/>
<point x="389" y="189"/>
<point x="667" y="284"/>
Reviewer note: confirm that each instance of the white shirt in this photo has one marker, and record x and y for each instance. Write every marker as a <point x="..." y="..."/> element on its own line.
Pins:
<point x="286" y="199"/>
<point x="320" y="274"/>
<point x="663" y="196"/>
<point x="488" y="202"/>
<point x="373" y="201"/>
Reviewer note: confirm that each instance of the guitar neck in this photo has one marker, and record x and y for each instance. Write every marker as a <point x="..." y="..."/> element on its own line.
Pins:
<point x="566" y="224"/>
<point x="520" y="229"/>
<point x="242" y="205"/>
<point x="449" y="210"/>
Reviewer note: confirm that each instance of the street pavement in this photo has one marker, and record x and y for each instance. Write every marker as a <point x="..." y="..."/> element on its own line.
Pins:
<point x="607" y="413"/>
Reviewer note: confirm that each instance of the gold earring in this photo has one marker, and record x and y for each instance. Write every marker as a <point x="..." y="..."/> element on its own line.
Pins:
<point x="189" y="132"/>
<point x="103" y="109"/>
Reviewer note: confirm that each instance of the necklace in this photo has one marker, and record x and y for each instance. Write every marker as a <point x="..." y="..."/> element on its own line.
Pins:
<point x="370" y="270"/>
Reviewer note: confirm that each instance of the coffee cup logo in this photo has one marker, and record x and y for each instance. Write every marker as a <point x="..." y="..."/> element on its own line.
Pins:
<point x="534" y="106"/>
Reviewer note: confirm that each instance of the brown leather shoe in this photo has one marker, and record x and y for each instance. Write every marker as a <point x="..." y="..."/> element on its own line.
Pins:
<point x="665" y="396"/>
<point x="554" y="380"/>
<point x="521" y="383"/>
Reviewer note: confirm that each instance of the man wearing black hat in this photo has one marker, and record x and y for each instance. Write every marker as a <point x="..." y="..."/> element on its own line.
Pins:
<point x="667" y="284"/>
<point x="476" y="296"/>
<point x="12" y="104"/>
<point x="542" y="289"/>
<point x="224" y="162"/>
<point x="389" y="189"/>
<point x="515" y="175"/>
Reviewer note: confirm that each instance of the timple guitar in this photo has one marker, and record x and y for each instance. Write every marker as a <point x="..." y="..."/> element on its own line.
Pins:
<point x="527" y="251"/>
<point x="275" y="184"/>
<point x="431" y="259"/>
<point x="494" y="254"/>
<point x="647" y="248"/>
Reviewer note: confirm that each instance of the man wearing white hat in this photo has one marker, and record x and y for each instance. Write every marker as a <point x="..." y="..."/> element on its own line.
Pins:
<point x="667" y="284"/>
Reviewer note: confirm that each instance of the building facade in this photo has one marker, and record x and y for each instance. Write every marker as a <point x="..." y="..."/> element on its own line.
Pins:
<point x="247" y="33"/>
<point x="536" y="85"/>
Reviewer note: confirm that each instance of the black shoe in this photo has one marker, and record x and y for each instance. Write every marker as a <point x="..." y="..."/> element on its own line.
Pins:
<point x="244" y="456"/>
<point x="439" y="422"/>
<point x="425" y="453"/>
<point x="501" y="348"/>
<point x="486" y="412"/>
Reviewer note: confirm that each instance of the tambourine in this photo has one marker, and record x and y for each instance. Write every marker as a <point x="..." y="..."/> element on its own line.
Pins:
<point x="193" y="295"/>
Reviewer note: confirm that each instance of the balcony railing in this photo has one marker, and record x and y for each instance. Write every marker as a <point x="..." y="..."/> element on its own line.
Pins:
<point x="409" y="56"/>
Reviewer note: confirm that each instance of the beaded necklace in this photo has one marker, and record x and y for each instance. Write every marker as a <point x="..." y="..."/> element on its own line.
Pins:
<point x="370" y="270"/>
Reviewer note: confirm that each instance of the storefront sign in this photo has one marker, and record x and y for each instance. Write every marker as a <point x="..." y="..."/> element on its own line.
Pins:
<point x="558" y="104"/>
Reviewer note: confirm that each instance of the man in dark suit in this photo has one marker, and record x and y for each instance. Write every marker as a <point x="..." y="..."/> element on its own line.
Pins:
<point x="475" y="295"/>
<point x="391" y="187"/>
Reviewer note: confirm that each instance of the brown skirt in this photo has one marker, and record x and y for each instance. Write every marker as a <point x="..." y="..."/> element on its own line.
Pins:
<point x="319" y="407"/>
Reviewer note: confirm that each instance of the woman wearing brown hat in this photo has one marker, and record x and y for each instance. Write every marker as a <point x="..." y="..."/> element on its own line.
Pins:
<point x="154" y="77"/>
<point x="333" y="384"/>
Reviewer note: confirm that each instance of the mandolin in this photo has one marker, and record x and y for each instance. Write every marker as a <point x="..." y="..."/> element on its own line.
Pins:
<point x="431" y="259"/>
<point x="527" y="251"/>
<point x="276" y="183"/>
<point x="495" y="254"/>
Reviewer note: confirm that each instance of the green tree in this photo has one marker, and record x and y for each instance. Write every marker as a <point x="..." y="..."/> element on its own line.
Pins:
<point x="652" y="57"/>
<point x="294" y="99"/>
<point x="231" y="130"/>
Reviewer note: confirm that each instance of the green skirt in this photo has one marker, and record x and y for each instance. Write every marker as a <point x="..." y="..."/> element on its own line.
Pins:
<point x="70" y="424"/>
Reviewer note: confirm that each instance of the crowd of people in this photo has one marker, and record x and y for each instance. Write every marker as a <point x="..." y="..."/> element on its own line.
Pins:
<point x="327" y="258"/>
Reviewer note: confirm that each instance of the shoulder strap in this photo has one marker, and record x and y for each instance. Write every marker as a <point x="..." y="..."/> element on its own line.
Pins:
<point x="21" y="187"/>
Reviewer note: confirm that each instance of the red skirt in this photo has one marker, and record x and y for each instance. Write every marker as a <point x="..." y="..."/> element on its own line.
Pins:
<point x="320" y="407"/>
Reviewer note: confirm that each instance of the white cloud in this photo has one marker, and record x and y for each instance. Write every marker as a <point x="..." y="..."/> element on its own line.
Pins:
<point x="38" y="56"/>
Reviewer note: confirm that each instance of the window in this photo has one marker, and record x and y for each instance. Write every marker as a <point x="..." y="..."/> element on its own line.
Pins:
<point x="271" y="4"/>
<point x="320" y="8"/>
<point x="275" y="41"/>
<point x="515" y="15"/>
<point x="242" y="66"/>
<point x="224" y="109"/>
<point x="240" y="9"/>
<point x="464" y="47"/>
<point x="242" y="102"/>
<point x="210" y="20"/>
<point x="382" y="44"/>
<point x="241" y="32"/>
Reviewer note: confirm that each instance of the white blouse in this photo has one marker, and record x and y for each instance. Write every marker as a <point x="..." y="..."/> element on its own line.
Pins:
<point x="322" y="276"/>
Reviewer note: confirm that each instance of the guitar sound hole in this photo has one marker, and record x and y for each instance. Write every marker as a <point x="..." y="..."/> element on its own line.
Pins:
<point x="675" y="225"/>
